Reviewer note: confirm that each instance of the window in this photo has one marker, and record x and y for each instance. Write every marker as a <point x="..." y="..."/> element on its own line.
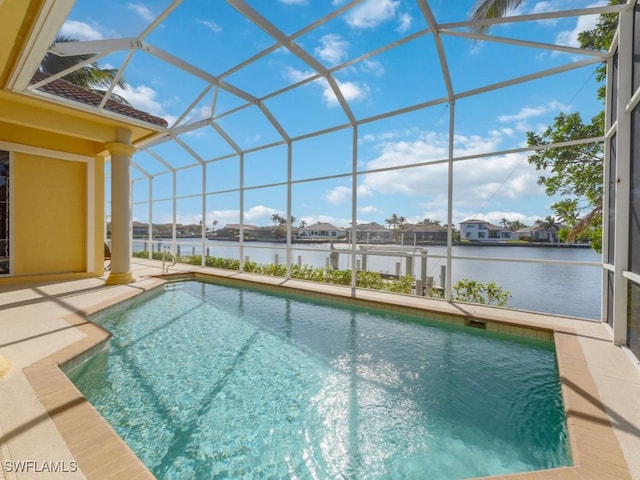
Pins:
<point x="4" y="213"/>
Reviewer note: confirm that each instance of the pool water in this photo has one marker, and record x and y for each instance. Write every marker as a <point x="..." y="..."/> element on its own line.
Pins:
<point x="210" y="381"/>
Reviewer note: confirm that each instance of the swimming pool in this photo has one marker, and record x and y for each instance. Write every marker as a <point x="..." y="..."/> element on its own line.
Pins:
<point x="211" y="381"/>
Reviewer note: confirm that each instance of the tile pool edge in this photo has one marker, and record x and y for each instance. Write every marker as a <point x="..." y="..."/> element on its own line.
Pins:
<point x="458" y="314"/>
<point x="99" y="451"/>
<point x="102" y="454"/>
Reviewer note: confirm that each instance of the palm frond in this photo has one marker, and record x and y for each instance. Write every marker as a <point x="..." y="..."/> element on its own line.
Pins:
<point x="489" y="9"/>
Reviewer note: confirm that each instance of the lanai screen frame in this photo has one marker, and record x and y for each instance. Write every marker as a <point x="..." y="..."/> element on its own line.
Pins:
<point x="101" y="48"/>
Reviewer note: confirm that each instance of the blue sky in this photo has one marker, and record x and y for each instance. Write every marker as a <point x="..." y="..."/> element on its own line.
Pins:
<point x="216" y="38"/>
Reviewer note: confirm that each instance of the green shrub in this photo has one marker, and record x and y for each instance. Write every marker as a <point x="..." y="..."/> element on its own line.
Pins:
<point x="401" y="285"/>
<point x="307" y="272"/>
<point x="224" y="263"/>
<point x="190" y="259"/>
<point x="372" y="280"/>
<point x="339" y="277"/>
<point x="464" y="290"/>
<point x="473" y="291"/>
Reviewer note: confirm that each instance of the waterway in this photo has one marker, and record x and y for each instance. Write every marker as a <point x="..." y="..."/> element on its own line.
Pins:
<point x="566" y="289"/>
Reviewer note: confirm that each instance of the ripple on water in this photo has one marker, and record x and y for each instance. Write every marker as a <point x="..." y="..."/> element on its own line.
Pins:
<point x="206" y="381"/>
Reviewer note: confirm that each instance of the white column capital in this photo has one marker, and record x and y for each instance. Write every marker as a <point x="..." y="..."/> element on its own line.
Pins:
<point x="123" y="149"/>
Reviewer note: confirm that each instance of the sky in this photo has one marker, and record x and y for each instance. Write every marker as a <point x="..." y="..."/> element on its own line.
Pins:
<point x="378" y="75"/>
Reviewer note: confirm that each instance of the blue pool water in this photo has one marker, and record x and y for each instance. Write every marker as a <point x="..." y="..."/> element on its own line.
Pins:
<point x="209" y="381"/>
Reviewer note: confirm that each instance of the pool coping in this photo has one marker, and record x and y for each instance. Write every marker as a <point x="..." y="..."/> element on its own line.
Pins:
<point x="101" y="453"/>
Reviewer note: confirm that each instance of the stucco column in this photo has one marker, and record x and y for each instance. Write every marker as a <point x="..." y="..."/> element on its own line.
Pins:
<point x="121" y="152"/>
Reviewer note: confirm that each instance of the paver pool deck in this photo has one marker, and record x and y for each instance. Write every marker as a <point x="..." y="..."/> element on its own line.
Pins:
<point x="49" y="430"/>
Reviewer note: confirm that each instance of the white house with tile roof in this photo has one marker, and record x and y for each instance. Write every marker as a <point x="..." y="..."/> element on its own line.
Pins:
<point x="321" y="230"/>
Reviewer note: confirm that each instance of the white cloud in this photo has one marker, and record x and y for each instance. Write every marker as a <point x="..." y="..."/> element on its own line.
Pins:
<point x="80" y="30"/>
<point x="213" y="26"/>
<point x="332" y="49"/>
<point x="260" y="215"/>
<point x="142" y="11"/>
<point x="542" y="7"/>
<point x="475" y="181"/>
<point x="520" y="119"/>
<point x="199" y="113"/>
<point x="372" y="66"/>
<point x="404" y="22"/>
<point x="584" y="23"/>
<point x="380" y="137"/>
<point x="257" y="215"/>
<point x="370" y="209"/>
<point x="143" y="98"/>
<point x="295" y="75"/>
<point x="372" y="13"/>
<point x="351" y="91"/>
<point x="253" y="139"/>
<point x="337" y="195"/>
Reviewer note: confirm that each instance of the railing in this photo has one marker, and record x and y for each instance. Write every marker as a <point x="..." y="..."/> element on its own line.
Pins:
<point x="166" y="252"/>
<point x="568" y="287"/>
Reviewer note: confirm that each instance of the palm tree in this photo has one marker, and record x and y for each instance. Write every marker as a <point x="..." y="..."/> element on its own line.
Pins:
<point x="515" y="225"/>
<point x="550" y="226"/>
<point x="276" y="219"/>
<point x="392" y="221"/>
<point x="303" y="223"/>
<point x="489" y="9"/>
<point x="428" y="221"/>
<point x="90" y="77"/>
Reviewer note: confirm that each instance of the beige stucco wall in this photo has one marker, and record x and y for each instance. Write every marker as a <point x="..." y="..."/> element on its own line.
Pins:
<point x="49" y="215"/>
<point x="57" y="200"/>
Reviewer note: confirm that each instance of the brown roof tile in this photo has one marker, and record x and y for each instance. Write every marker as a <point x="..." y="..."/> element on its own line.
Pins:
<point x="65" y="89"/>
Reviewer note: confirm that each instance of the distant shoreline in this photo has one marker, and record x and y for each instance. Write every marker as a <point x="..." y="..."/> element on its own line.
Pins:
<point x="321" y="241"/>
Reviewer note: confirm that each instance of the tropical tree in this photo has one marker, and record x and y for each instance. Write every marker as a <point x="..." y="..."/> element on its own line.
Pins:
<point x="303" y="223"/>
<point x="392" y="221"/>
<point x="515" y="225"/>
<point x="574" y="172"/>
<point x="491" y="9"/>
<point x="90" y="77"/>
<point x="428" y="221"/>
<point x="276" y="219"/>
<point x="550" y="226"/>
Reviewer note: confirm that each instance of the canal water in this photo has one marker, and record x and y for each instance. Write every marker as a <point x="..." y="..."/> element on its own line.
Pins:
<point x="564" y="289"/>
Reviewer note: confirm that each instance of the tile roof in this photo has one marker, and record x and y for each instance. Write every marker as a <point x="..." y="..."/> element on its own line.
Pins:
<point x="371" y="227"/>
<point x="425" y="227"/>
<point x="65" y="89"/>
